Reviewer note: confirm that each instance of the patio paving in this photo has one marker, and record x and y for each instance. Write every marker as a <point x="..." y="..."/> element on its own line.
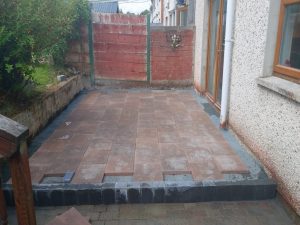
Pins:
<point x="143" y="135"/>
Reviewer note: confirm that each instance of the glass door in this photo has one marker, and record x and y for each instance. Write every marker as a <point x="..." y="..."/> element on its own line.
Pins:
<point x="215" y="54"/>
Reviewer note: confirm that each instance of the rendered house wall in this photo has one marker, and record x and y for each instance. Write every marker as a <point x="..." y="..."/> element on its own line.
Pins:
<point x="201" y="31"/>
<point x="267" y="122"/>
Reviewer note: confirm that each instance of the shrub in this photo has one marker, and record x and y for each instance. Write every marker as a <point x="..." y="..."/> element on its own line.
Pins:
<point x="31" y="30"/>
<point x="15" y="60"/>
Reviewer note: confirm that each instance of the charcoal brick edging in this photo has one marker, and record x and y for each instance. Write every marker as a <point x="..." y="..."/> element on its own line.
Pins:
<point x="147" y="193"/>
<point x="152" y="192"/>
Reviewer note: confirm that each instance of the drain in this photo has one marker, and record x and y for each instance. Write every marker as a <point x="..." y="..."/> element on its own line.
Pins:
<point x="57" y="178"/>
<point x="52" y="179"/>
<point x="178" y="177"/>
<point x="113" y="179"/>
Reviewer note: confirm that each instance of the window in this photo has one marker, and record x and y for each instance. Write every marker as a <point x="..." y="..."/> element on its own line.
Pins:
<point x="182" y="16"/>
<point x="287" y="54"/>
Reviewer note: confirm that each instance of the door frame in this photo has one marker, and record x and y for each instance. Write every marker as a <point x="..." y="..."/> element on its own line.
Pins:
<point x="216" y="67"/>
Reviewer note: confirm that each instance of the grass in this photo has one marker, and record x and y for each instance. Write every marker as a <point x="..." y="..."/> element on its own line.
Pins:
<point x="43" y="77"/>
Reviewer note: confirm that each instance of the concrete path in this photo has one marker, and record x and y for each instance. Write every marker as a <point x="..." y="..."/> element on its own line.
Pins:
<point x="218" y="213"/>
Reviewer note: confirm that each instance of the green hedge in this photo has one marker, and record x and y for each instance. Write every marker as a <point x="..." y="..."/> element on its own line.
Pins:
<point x="33" y="30"/>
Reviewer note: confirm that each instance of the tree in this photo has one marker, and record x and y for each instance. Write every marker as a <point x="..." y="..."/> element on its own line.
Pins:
<point x="145" y="12"/>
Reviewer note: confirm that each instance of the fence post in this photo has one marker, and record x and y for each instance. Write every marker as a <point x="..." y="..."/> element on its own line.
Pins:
<point x="148" y="49"/>
<point x="13" y="147"/>
<point x="91" y="48"/>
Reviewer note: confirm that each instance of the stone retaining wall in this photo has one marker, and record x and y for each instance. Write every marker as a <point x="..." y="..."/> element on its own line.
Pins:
<point x="37" y="116"/>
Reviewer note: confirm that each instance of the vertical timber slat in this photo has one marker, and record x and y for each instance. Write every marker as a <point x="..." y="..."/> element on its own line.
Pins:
<point x="21" y="181"/>
<point x="3" y="211"/>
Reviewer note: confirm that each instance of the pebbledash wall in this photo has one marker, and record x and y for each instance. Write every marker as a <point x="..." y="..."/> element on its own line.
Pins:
<point x="265" y="120"/>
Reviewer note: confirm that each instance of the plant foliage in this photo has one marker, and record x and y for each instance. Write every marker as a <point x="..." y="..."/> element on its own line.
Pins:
<point x="32" y="30"/>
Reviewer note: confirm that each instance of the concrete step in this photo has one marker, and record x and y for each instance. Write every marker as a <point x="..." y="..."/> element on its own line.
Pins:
<point x="149" y="192"/>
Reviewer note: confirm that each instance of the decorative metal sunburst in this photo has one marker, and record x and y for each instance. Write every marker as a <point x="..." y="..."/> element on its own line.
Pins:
<point x="174" y="38"/>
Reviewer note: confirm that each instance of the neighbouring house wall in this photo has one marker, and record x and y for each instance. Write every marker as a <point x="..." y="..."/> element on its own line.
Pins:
<point x="168" y="64"/>
<point x="266" y="121"/>
<point x="169" y="9"/>
<point x="155" y="14"/>
<point x="120" y="46"/>
<point x="191" y="12"/>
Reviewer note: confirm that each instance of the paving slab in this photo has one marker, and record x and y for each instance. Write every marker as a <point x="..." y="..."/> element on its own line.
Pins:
<point x="72" y="216"/>
<point x="89" y="172"/>
<point x="148" y="171"/>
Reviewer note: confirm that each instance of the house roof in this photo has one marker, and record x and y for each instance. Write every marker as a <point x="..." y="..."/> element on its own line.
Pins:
<point x="105" y="6"/>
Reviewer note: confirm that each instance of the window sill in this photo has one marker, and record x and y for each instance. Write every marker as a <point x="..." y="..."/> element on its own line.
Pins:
<point x="284" y="87"/>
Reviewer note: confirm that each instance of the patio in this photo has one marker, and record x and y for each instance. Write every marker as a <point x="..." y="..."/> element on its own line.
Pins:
<point x="136" y="135"/>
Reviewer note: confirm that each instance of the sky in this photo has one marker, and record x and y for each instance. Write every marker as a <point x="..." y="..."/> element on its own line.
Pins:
<point x="134" y="6"/>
